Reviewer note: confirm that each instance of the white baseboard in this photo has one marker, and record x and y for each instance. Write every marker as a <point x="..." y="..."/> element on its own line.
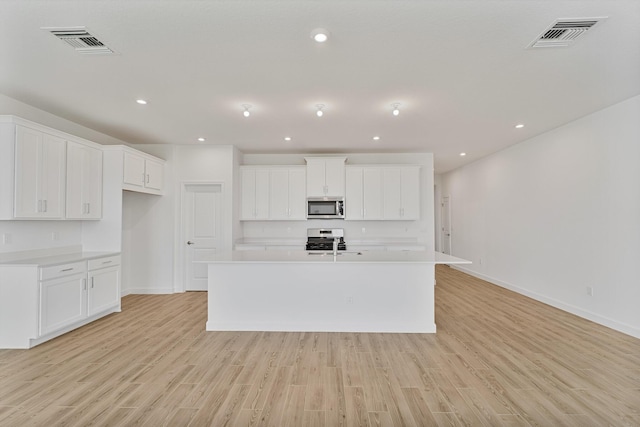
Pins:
<point x="147" y="291"/>
<point x="585" y="314"/>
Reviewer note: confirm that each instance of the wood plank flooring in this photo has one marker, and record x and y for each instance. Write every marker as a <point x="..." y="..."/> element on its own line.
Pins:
<point x="498" y="359"/>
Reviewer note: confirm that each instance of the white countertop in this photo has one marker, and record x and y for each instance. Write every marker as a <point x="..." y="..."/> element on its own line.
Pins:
<point x="58" y="259"/>
<point x="419" y="257"/>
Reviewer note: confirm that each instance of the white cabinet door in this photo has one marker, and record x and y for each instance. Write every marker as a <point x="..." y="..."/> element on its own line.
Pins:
<point x="392" y="196"/>
<point x="354" y="197"/>
<point x="134" y="173"/>
<point x="297" y="193"/>
<point x="84" y="182"/>
<point x="372" y="193"/>
<point x="40" y="174"/>
<point x="262" y="194"/>
<point x="103" y="290"/>
<point x="154" y="174"/>
<point x="410" y="192"/>
<point x="62" y="302"/>
<point x="28" y="153"/>
<point x="334" y="177"/>
<point x="254" y="193"/>
<point x="279" y="194"/>
<point x="247" y="193"/>
<point x="316" y="185"/>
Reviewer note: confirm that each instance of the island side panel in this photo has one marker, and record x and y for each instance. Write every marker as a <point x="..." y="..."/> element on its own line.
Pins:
<point x="321" y="297"/>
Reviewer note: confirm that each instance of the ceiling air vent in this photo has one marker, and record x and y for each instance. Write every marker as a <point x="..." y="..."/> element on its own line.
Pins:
<point x="81" y="40"/>
<point x="564" y="32"/>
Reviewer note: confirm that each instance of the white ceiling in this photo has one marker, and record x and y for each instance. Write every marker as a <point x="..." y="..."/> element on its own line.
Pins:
<point x="459" y="69"/>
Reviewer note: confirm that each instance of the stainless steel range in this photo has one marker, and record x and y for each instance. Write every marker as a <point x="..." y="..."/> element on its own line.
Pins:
<point x="322" y="239"/>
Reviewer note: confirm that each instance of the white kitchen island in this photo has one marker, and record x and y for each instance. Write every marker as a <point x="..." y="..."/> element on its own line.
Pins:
<point x="301" y="291"/>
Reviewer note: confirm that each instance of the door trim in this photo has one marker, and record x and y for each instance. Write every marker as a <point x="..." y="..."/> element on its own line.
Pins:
<point x="180" y="271"/>
<point x="443" y="237"/>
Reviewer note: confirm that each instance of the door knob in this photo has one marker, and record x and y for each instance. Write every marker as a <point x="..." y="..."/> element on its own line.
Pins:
<point x="190" y="243"/>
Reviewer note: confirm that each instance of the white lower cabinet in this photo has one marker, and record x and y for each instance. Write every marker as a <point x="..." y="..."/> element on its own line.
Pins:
<point x="103" y="285"/>
<point x="38" y="303"/>
<point x="62" y="302"/>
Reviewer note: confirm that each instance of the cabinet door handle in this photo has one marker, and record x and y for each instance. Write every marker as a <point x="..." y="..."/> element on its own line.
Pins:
<point x="45" y="205"/>
<point x="84" y="284"/>
<point x="107" y="262"/>
<point x="143" y="177"/>
<point x="92" y="283"/>
<point x="67" y="269"/>
<point x="147" y="178"/>
<point x="39" y="208"/>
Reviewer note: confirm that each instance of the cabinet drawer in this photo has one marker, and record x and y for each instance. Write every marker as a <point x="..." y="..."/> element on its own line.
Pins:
<point x="62" y="270"/>
<point x="110" y="261"/>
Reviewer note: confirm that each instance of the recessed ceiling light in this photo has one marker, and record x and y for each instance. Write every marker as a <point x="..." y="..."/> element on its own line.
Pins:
<point x="320" y="35"/>
<point x="246" y="111"/>
<point x="376" y="138"/>
<point x="396" y="109"/>
<point x="319" y="111"/>
<point x="141" y="101"/>
<point x="201" y="139"/>
<point x="287" y="138"/>
<point x="463" y="154"/>
<point x="520" y="126"/>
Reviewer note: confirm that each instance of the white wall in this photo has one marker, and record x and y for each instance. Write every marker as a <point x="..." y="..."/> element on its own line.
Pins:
<point x="32" y="235"/>
<point x="422" y="231"/>
<point x="559" y="213"/>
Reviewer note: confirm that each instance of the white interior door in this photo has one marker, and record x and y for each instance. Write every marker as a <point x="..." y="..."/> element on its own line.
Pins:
<point x="445" y="217"/>
<point x="202" y="228"/>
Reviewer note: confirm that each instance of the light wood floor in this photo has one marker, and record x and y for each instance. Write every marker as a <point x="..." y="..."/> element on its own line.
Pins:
<point x="498" y="359"/>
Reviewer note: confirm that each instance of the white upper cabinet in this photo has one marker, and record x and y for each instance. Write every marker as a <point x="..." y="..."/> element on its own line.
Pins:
<point x="363" y="193"/>
<point x="84" y="181"/>
<point x="287" y="193"/>
<point x="382" y="192"/>
<point x="39" y="174"/>
<point x="401" y="188"/>
<point x="272" y="193"/>
<point x="325" y="176"/>
<point x="142" y="172"/>
<point x="254" y="188"/>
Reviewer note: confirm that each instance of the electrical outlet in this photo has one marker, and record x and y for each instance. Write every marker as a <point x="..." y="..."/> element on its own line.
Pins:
<point x="480" y="261"/>
<point x="6" y="238"/>
<point x="55" y="236"/>
<point x="590" y="291"/>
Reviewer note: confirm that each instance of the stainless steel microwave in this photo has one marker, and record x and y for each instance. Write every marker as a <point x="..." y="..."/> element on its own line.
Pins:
<point x="325" y="208"/>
